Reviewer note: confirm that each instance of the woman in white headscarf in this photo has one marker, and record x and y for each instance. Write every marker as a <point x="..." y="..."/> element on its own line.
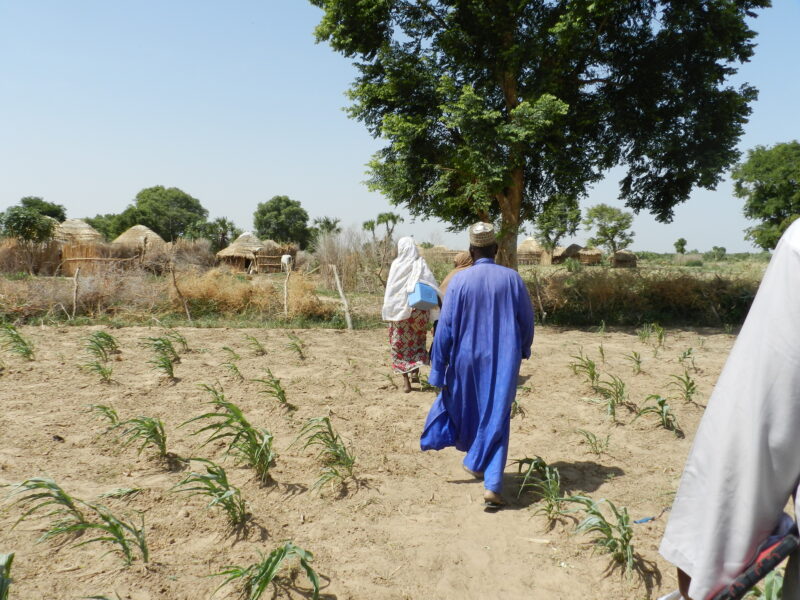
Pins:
<point x="407" y="326"/>
<point x="745" y="461"/>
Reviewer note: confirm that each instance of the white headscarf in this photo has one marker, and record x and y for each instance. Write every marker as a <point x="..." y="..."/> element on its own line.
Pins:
<point x="406" y="270"/>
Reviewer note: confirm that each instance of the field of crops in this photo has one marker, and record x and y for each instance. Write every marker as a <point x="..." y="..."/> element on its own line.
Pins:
<point x="326" y="460"/>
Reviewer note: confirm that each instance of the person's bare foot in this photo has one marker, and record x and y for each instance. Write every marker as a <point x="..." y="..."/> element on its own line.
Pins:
<point x="475" y="474"/>
<point x="493" y="499"/>
<point x="415" y="376"/>
<point x="406" y="383"/>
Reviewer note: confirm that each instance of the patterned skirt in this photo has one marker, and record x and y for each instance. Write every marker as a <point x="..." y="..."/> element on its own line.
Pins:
<point x="407" y="339"/>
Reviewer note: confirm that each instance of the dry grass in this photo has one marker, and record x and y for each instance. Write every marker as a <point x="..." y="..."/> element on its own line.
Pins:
<point x="303" y="301"/>
<point x="219" y="291"/>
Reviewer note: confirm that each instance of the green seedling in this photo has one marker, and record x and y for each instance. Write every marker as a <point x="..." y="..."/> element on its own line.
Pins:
<point x="660" y="333"/>
<point x="644" y="332"/>
<point x="390" y="379"/>
<point x="337" y="459"/>
<point x="613" y="392"/>
<point x="596" y="445"/>
<point x="257" y="577"/>
<point x="101" y="346"/>
<point x="6" y="560"/>
<point x="15" y="343"/>
<point x="584" y="364"/>
<point x="528" y="471"/>
<point x="296" y="345"/>
<point x="551" y="498"/>
<point x="164" y="363"/>
<point x="148" y="432"/>
<point x="214" y="484"/>
<point x="661" y="409"/>
<point x="232" y="355"/>
<point x="124" y="534"/>
<point x="39" y="493"/>
<point x="685" y="386"/>
<point x="273" y="388"/>
<point x="517" y="409"/>
<point x="602" y="352"/>
<point x="425" y="385"/>
<point x="175" y="336"/>
<point x="234" y="369"/>
<point x="101" y="370"/>
<point x="687" y="357"/>
<point x="611" y="537"/>
<point x="601" y="329"/>
<point x="162" y="346"/>
<point x="636" y="361"/>
<point x="256" y="346"/>
<point x="228" y="424"/>
<point x="122" y="493"/>
<point x="102" y="411"/>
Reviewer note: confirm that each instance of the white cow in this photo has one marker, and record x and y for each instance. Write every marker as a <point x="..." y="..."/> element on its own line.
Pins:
<point x="286" y="262"/>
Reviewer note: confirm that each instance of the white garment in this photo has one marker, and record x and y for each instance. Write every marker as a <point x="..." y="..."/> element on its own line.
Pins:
<point x="745" y="461"/>
<point x="406" y="270"/>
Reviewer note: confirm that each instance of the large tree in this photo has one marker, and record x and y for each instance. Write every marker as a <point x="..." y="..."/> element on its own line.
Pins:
<point x="30" y="229"/>
<point x="43" y="207"/>
<point x="769" y="181"/>
<point x="283" y="220"/>
<point x="493" y="108"/>
<point x="220" y="232"/>
<point x="612" y="227"/>
<point x="557" y="219"/>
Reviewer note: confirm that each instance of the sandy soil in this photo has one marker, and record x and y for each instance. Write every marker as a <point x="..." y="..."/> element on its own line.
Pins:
<point x="415" y="527"/>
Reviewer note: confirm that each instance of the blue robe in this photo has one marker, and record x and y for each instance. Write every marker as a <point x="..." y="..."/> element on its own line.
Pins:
<point x="484" y="331"/>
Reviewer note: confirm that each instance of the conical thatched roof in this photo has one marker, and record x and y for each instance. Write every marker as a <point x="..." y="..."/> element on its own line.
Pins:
<point x="590" y="252"/>
<point x="530" y="245"/>
<point x="245" y="246"/>
<point x="76" y="231"/>
<point x="137" y="236"/>
<point x="624" y="255"/>
<point x="569" y="251"/>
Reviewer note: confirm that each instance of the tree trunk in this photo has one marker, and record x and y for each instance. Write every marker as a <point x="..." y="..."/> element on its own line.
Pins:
<point x="510" y="206"/>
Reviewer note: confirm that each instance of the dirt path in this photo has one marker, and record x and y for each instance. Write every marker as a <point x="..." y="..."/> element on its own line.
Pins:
<point x="415" y="526"/>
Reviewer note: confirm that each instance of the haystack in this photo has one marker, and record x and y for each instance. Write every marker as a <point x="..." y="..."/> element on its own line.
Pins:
<point x="623" y="259"/>
<point x="590" y="256"/>
<point x="529" y="252"/>
<point x="76" y="231"/>
<point x="241" y="254"/>
<point x="560" y="254"/>
<point x="139" y="236"/>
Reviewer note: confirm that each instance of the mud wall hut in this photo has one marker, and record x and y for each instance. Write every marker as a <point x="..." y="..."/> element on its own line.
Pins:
<point x="590" y="256"/>
<point x="560" y="254"/>
<point x="529" y="252"/>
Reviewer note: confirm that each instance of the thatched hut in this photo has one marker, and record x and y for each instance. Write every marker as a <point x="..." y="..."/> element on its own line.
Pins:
<point x="76" y="231"/>
<point x="590" y="256"/>
<point x="139" y="237"/>
<point x="623" y="259"/>
<point x="268" y="258"/>
<point x="241" y="254"/>
<point x="560" y="254"/>
<point x="529" y="252"/>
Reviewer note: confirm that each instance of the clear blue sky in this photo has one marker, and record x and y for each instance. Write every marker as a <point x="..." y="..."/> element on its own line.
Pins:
<point x="233" y="102"/>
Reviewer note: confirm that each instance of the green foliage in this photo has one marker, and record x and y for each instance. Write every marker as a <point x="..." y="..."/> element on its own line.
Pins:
<point x="148" y="432"/>
<point x="220" y="232"/>
<point x="175" y="336"/>
<point x="680" y="245"/>
<point x="101" y="345"/>
<point x="256" y="577"/>
<point x="585" y="365"/>
<point x="337" y="459"/>
<point x="716" y="254"/>
<point x="27" y="225"/>
<point x="256" y="346"/>
<point x="15" y="343"/>
<point x="684" y="385"/>
<point x="611" y="537"/>
<point x="214" y="484"/>
<point x="773" y="587"/>
<point x="613" y="391"/>
<point x="559" y="217"/>
<point x="6" y="560"/>
<point x="67" y="518"/>
<point x="273" y="388"/>
<point x="636" y="361"/>
<point x="596" y="445"/>
<point x="528" y="471"/>
<point x="769" y="182"/>
<point x="611" y="225"/>
<point x="472" y="132"/>
<point x="687" y="358"/>
<point x="283" y="220"/>
<point x="100" y="369"/>
<point x="102" y="411"/>
<point x="164" y="355"/>
<point x="41" y="206"/>
<point x="121" y="493"/>
<point x="296" y="345"/>
<point x="227" y="423"/>
<point x="230" y="364"/>
<point x="170" y="212"/>
<point x="661" y="409"/>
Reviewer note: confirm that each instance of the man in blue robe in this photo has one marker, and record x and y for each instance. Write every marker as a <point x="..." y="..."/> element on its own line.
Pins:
<point x="484" y="331"/>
